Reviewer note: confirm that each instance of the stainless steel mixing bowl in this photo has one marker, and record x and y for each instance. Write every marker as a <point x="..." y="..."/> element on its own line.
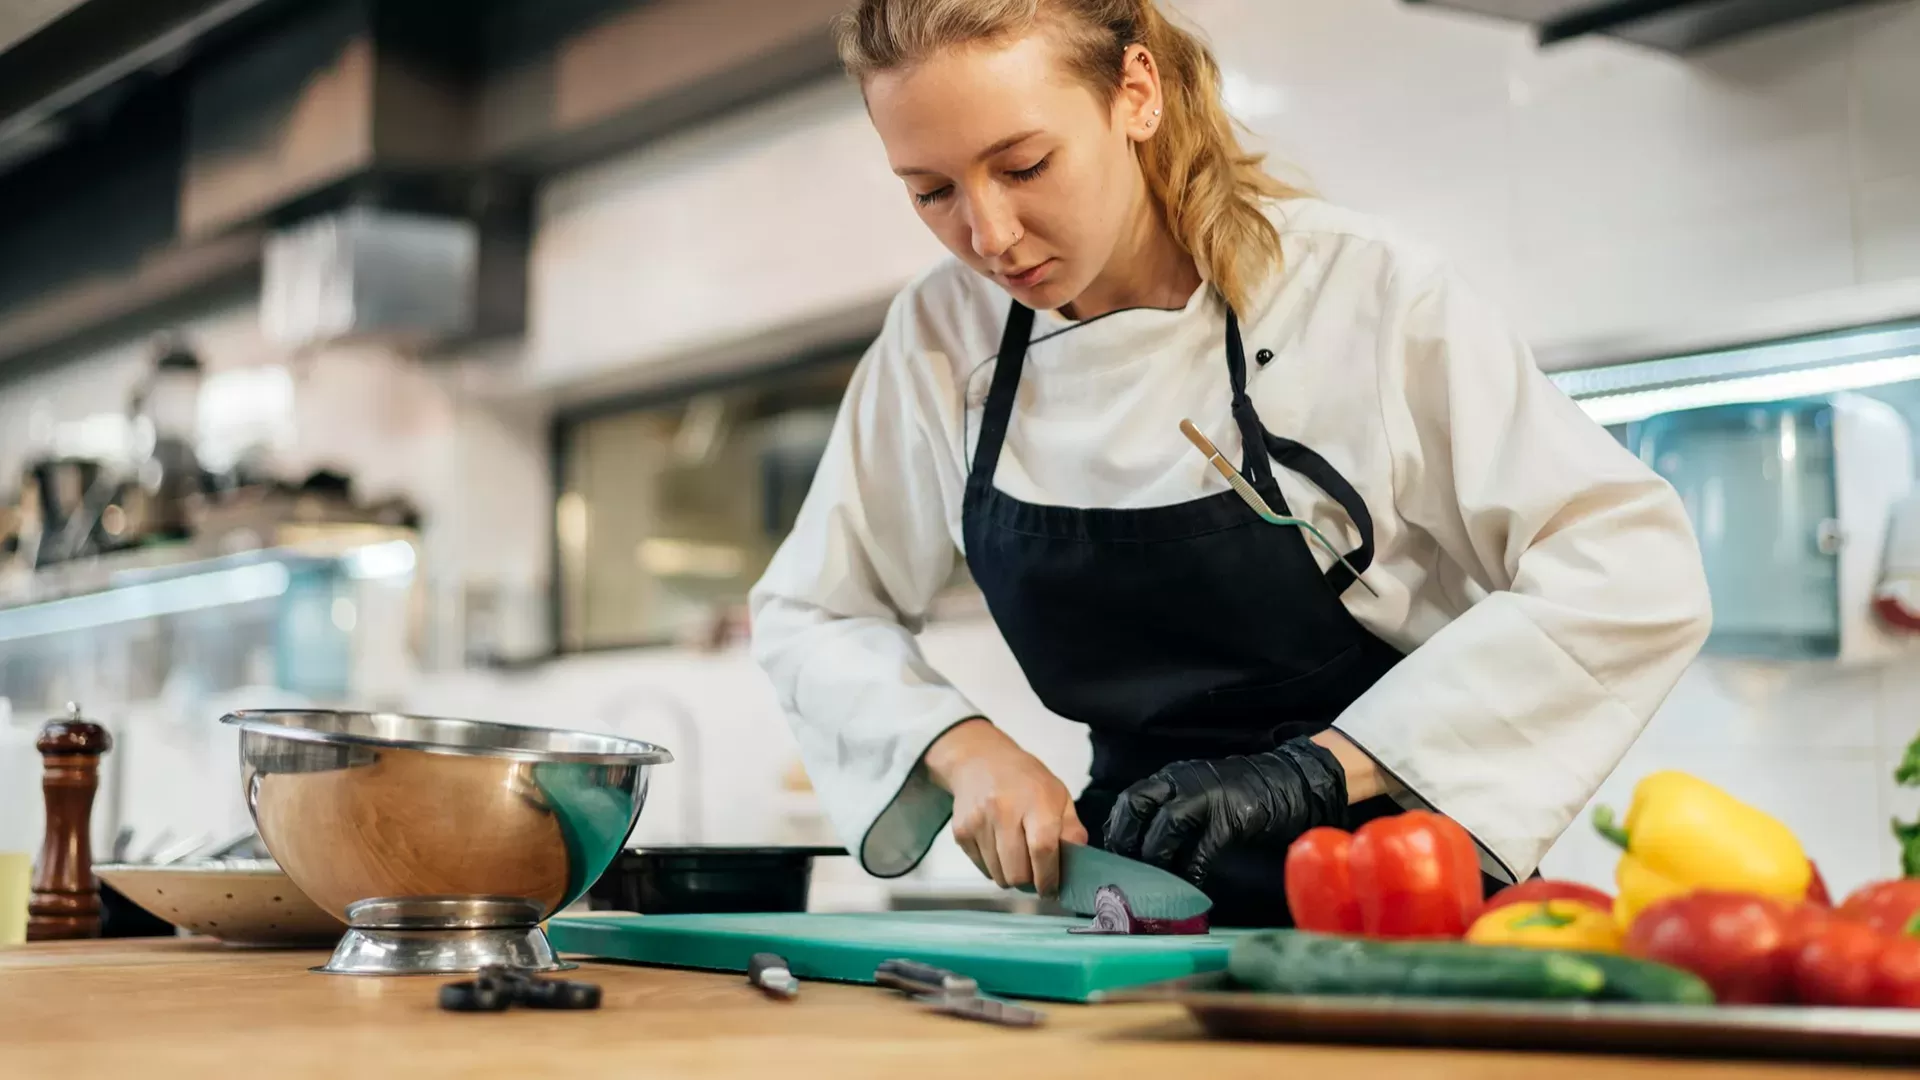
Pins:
<point x="441" y="843"/>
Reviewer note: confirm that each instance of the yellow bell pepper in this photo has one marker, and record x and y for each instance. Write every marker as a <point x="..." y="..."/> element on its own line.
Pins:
<point x="1683" y="834"/>
<point x="1552" y="924"/>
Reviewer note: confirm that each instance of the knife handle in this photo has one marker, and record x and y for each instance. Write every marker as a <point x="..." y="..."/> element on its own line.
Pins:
<point x="771" y="973"/>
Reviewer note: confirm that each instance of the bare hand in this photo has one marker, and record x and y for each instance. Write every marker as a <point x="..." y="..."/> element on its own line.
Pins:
<point x="1010" y="814"/>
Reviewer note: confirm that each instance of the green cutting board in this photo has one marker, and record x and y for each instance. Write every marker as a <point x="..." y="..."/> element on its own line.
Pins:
<point x="1029" y="956"/>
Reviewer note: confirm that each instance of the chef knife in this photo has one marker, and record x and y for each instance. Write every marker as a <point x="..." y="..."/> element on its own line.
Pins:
<point x="1152" y="893"/>
<point x="944" y="991"/>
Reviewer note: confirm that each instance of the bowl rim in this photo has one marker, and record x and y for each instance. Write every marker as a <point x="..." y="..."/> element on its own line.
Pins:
<point x="262" y="868"/>
<point x="263" y="722"/>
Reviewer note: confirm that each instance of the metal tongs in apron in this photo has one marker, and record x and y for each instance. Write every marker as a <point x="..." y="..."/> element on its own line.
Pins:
<point x="955" y="995"/>
<point x="1252" y="498"/>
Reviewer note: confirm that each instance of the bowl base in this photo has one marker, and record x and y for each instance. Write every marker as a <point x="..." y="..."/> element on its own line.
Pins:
<point x="364" y="951"/>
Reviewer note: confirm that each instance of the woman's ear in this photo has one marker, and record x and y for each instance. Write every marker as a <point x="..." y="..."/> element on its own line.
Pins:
<point x="1139" y="101"/>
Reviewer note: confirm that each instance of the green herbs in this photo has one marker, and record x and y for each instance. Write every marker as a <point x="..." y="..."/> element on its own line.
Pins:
<point x="1908" y="833"/>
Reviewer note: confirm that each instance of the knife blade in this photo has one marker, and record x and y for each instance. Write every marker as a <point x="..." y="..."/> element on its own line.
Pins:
<point x="1153" y="893"/>
<point x="984" y="1009"/>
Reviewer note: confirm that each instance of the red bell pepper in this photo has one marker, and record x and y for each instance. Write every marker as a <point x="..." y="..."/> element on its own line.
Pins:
<point x="1541" y="890"/>
<point x="1891" y="907"/>
<point x="1740" y="943"/>
<point x="1412" y="875"/>
<point x="1320" y="882"/>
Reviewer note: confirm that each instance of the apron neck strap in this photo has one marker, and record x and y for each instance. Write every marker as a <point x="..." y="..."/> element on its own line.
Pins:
<point x="1000" y="395"/>
<point x="1253" y="456"/>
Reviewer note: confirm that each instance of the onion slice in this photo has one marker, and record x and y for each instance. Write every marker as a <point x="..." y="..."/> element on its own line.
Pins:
<point x="1112" y="914"/>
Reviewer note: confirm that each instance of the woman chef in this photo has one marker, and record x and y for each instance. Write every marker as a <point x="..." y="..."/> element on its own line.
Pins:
<point x="1515" y="595"/>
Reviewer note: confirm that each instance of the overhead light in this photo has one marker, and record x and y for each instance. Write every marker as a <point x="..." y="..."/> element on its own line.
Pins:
<point x="1609" y="409"/>
<point x="393" y="559"/>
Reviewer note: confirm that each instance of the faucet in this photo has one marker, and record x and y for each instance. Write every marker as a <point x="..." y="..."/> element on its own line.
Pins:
<point x="692" y="808"/>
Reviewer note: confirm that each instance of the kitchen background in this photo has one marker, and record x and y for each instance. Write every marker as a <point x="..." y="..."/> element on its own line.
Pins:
<point x="503" y="337"/>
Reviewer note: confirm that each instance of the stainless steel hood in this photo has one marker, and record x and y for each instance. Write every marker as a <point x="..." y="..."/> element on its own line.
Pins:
<point x="1677" y="26"/>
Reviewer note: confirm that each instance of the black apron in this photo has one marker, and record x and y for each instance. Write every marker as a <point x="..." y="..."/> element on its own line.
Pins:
<point x="1176" y="632"/>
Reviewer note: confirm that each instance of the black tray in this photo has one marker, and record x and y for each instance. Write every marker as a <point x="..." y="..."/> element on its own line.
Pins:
<point x="672" y="879"/>
<point x="1727" y="1031"/>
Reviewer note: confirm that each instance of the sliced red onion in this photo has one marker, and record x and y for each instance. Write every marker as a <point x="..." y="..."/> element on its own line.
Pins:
<point x="1112" y="914"/>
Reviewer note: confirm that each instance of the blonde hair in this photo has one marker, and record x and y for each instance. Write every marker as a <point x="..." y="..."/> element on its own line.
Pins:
<point x="1207" y="186"/>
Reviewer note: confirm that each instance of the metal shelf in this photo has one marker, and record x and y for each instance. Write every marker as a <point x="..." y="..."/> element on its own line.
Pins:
<point x="128" y="587"/>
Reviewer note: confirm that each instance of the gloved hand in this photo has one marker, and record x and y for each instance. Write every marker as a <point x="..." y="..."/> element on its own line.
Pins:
<point x="1182" y="816"/>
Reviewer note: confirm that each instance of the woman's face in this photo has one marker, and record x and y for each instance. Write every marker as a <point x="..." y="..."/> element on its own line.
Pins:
<point x="1020" y="169"/>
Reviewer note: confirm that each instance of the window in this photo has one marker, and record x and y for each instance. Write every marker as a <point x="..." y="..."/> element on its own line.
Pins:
<point x="669" y="510"/>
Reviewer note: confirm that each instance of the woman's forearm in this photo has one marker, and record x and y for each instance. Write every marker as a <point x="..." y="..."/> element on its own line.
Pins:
<point x="1364" y="779"/>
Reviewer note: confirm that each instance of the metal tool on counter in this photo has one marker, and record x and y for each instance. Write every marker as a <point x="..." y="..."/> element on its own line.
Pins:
<point x="956" y="995"/>
<point x="497" y="988"/>
<point x="770" y="973"/>
<point x="1253" y="498"/>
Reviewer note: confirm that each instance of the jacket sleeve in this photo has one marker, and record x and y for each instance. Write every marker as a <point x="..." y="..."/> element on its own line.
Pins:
<point x="1584" y="596"/>
<point x="836" y="613"/>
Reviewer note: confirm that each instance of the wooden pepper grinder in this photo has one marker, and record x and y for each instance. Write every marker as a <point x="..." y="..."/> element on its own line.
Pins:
<point x="66" y="899"/>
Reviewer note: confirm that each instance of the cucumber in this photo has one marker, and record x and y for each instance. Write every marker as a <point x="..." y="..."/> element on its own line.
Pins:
<point x="1645" y="981"/>
<point x="1298" y="962"/>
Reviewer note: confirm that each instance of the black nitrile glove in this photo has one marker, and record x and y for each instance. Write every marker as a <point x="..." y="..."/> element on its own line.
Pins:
<point x="1185" y="814"/>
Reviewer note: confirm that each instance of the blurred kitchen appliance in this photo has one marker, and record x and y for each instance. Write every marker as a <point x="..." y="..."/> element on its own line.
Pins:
<point x="154" y="502"/>
<point x="68" y="496"/>
<point x="367" y="272"/>
<point x="1791" y="502"/>
<point x="1897" y="601"/>
<point x="693" y="879"/>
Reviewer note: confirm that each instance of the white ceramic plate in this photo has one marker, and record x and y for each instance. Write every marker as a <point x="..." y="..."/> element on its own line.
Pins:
<point x="238" y="901"/>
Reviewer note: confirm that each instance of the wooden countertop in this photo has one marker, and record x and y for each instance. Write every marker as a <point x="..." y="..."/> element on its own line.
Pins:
<point x="180" y="1007"/>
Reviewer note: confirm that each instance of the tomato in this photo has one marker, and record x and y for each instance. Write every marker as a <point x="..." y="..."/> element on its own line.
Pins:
<point x="1897" y="975"/>
<point x="1891" y="907"/>
<point x="1836" y="964"/>
<point x="1741" y="944"/>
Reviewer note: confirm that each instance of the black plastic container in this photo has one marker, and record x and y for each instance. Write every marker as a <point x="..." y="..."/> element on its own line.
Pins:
<point x="696" y="880"/>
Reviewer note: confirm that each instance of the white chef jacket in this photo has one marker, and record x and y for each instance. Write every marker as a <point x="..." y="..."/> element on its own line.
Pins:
<point x="1544" y="583"/>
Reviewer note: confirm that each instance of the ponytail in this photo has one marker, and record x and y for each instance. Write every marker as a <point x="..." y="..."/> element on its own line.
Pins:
<point x="1208" y="187"/>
